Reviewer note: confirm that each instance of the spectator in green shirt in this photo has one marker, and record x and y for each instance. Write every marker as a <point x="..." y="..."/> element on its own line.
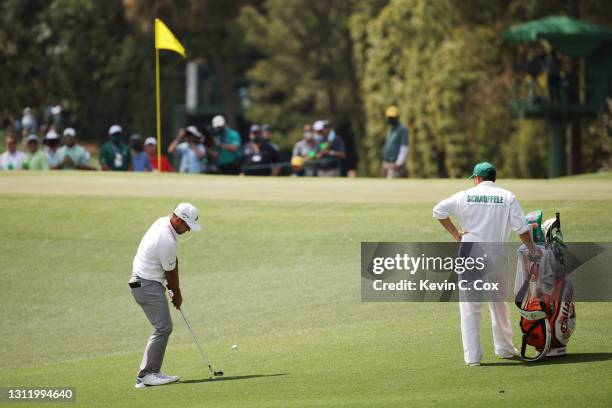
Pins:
<point x="395" y="151"/>
<point x="72" y="156"/>
<point x="115" y="155"/>
<point x="227" y="151"/>
<point x="35" y="158"/>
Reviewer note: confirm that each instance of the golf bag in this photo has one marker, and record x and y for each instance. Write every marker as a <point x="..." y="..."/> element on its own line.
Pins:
<point x="544" y="295"/>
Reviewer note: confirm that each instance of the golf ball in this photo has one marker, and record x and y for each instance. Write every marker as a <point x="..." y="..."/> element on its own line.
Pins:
<point x="234" y="347"/>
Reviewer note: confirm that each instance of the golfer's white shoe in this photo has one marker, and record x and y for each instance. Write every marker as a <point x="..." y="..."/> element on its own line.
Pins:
<point x="154" y="379"/>
<point x="172" y="378"/>
<point x="472" y="364"/>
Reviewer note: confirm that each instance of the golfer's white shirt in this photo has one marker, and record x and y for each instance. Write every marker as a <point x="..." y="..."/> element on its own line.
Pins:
<point x="156" y="252"/>
<point x="486" y="212"/>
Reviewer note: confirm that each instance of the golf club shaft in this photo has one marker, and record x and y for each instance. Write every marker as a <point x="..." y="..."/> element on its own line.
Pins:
<point x="195" y="339"/>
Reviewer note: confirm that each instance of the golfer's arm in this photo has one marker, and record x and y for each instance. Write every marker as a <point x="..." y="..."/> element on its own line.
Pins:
<point x="450" y="227"/>
<point x="173" y="279"/>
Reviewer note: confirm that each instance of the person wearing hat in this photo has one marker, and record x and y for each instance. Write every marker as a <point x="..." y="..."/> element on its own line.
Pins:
<point x="227" y="147"/>
<point x="331" y="150"/>
<point x="304" y="153"/>
<point x="487" y="213"/>
<point x="12" y="159"/>
<point x="114" y="155"/>
<point x="395" y="151"/>
<point x="151" y="150"/>
<point x="140" y="160"/>
<point x="156" y="263"/>
<point x="35" y="158"/>
<point x="188" y="144"/>
<point x="72" y="156"/>
<point x="266" y="134"/>
<point x="51" y="142"/>
<point x="258" y="157"/>
<point x="29" y="125"/>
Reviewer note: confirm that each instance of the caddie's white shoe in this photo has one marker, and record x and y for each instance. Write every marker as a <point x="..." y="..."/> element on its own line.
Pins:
<point x="151" y="380"/>
<point x="509" y="356"/>
<point x="173" y="378"/>
<point x="472" y="364"/>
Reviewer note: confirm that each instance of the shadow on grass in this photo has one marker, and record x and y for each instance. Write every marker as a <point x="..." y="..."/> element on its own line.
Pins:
<point x="571" y="358"/>
<point x="230" y="378"/>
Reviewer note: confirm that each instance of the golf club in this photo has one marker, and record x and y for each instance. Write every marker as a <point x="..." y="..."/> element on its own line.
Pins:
<point x="204" y="356"/>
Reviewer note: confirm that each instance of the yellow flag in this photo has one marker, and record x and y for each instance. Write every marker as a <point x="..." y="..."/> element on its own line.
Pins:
<point x="165" y="40"/>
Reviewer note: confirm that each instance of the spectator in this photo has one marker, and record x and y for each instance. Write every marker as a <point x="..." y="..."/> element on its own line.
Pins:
<point x="12" y="159"/>
<point x="151" y="150"/>
<point x="193" y="153"/>
<point x="51" y="142"/>
<point x="54" y="115"/>
<point x="227" y="141"/>
<point x="72" y="156"/>
<point x="259" y="157"/>
<point x="115" y="155"/>
<point x="331" y="150"/>
<point x="35" y="159"/>
<point x="140" y="160"/>
<point x="395" y="151"/>
<point x="266" y="133"/>
<point x="28" y="122"/>
<point x="305" y="153"/>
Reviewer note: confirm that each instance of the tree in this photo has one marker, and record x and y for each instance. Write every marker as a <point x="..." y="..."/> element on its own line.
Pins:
<point x="208" y="31"/>
<point x="306" y="70"/>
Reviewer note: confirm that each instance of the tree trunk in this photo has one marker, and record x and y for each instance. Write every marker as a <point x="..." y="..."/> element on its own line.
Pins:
<point x="227" y="88"/>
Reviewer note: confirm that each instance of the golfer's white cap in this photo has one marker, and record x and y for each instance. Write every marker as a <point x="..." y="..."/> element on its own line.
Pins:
<point x="189" y="214"/>
<point x="51" y="135"/>
<point x="218" y="121"/>
<point x="115" y="129"/>
<point x="32" y="138"/>
<point x="194" y="131"/>
<point x="318" y="125"/>
<point x="69" y="132"/>
<point x="150" y="141"/>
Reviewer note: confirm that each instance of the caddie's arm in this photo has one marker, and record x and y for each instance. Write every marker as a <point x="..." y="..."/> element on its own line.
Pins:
<point x="450" y="227"/>
<point x="533" y="249"/>
<point x="442" y="212"/>
<point x="173" y="284"/>
<point x="519" y="225"/>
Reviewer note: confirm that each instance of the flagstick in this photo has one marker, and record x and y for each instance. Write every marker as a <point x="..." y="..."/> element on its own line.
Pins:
<point x="159" y="169"/>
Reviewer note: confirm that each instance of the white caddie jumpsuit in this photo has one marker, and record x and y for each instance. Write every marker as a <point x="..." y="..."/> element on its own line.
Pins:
<point x="487" y="213"/>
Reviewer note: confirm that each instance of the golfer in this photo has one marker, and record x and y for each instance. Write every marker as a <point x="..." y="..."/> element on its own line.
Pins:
<point x="486" y="213"/>
<point x="154" y="263"/>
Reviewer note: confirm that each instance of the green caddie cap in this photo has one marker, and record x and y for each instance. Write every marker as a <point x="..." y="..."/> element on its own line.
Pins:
<point x="482" y="169"/>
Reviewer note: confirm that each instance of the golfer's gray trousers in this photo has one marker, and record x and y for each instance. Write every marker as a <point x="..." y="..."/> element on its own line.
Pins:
<point x="151" y="297"/>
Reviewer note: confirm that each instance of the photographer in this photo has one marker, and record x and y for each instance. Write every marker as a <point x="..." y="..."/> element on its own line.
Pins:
<point x="227" y="147"/>
<point x="258" y="156"/>
<point x="188" y="144"/>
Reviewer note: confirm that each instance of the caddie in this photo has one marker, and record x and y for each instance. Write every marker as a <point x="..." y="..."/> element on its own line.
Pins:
<point x="486" y="214"/>
<point x="156" y="262"/>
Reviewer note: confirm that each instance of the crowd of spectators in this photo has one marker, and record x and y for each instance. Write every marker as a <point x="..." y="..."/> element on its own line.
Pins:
<point x="215" y="149"/>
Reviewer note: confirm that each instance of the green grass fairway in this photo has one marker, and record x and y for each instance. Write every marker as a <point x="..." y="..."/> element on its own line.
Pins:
<point x="276" y="271"/>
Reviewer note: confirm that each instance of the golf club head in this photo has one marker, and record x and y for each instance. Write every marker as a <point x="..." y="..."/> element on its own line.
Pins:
<point x="218" y="373"/>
